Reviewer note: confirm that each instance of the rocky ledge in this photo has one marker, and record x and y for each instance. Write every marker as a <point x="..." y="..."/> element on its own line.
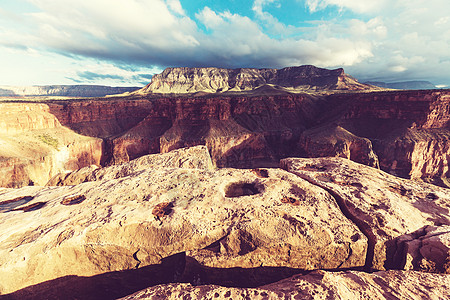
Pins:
<point x="320" y="225"/>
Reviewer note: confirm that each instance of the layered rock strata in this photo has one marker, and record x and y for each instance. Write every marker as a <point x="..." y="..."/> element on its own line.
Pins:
<point x="34" y="146"/>
<point x="217" y="80"/>
<point x="407" y="132"/>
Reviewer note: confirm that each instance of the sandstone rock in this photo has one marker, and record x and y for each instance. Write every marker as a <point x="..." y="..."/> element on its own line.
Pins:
<point x="383" y="206"/>
<point x="427" y="249"/>
<point x="222" y="218"/>
<point x="194" y="157"/>
<point x="338" y="142"/>
<point x="317" y="285"/>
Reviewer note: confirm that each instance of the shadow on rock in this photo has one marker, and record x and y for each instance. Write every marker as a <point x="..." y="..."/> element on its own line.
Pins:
<point x="111" y="285"/>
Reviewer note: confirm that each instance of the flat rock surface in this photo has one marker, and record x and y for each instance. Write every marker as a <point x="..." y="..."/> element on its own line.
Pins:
<point x="318" y="285"/>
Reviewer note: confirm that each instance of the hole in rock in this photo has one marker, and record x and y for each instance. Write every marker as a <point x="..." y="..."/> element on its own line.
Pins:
<point x="31" y="207"/>
<point x="239" y="189"/>
<point x="162" y="209"/>
<point x="290" y="200"/>
<point x="8" y="205"/>
<point x="71" y="200"/>
<point x="432" y="196"/>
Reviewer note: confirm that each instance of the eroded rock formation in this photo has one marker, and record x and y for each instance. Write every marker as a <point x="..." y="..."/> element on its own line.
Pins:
<point x="192" y="158"/>
<point x="402" y="132"/>
<point x="407" y="131"/>
<point x="242" y="228"/>
<point x="217" y="80"/>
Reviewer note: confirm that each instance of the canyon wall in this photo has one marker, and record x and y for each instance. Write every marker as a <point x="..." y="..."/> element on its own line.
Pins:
<point x="407" y="131"/>
<point x="402" y="132"/>
<point x="239" y="131"/>
<point x="34" y="146"/>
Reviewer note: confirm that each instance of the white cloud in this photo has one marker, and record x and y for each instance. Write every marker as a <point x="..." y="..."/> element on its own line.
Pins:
<point x="384" y="39"/>
<point x="358" y="6"/>
<point x="175" y="6"/>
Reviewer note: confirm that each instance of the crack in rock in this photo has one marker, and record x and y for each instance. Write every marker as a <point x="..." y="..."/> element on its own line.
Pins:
<point x="362" y="226"/>
<point x="137" y="259"/>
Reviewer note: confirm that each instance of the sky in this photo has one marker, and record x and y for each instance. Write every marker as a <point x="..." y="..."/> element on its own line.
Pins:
<point x="125" y="42"/>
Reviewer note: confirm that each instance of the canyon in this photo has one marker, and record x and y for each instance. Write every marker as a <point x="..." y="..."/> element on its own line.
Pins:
<point x="402" y="132"/>
<point x="219" y="183"/>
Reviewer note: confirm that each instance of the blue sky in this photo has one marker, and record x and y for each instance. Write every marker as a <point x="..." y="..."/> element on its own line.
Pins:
<point x="124" y="42"/>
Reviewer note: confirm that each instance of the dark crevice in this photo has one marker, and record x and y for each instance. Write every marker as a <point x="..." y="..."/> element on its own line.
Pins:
<point x="137" y="259"/>
<point x="239" y="189"/>
<point x="363" y="226"/>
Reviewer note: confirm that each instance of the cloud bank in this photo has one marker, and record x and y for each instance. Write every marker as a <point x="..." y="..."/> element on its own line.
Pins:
<point x="382" y="40"/>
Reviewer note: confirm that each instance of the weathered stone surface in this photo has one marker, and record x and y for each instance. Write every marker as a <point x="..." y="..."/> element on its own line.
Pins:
<point x="222" y="218"/>
<point x="427" y="249"/>
<point x="383" y="206"/>
<point x="317" y="285"/>
<point x="193" y="158"/>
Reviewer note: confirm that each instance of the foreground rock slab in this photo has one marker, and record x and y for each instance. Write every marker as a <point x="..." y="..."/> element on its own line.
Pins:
<point x="317" y="285"/>
<point x="222" y="218"/>
<point x="386" y="208"/>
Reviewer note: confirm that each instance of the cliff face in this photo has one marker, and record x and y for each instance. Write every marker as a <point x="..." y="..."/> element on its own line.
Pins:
<point x="214" y="80"/>
<point x="407" y="131"/>
<point x="239" y="131"/>
<point x="402" y="132"/>
<point x="34" y="146"/>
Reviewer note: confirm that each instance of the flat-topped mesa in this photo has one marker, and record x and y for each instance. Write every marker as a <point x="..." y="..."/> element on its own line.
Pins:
<point x="217" y="80"/>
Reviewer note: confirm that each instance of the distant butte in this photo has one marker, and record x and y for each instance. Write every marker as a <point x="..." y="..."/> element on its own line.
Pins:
<point x="218" y="80"/>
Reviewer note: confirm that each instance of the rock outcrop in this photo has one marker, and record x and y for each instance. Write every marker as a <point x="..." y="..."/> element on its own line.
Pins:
<point x="192" y="158"/>
<point x="252" y="226"/>
<point x="317" y="285"/>
<point x="224" y="218"/>
<point x="383" y="206"/>
<point x="217" y="80"/>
